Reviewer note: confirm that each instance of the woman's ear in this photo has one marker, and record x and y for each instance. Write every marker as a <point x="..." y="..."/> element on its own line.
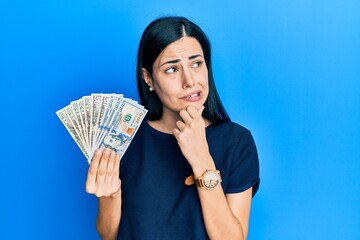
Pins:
<point x="147" y="78"/>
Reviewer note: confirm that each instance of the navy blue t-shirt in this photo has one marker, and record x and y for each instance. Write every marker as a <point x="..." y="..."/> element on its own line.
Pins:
<point x="156" y="203"/>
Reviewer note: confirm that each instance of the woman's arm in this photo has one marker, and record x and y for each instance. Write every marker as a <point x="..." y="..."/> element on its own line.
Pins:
<point x="103" y="181"/>
<point x="225" y="217"/>
<point x="108" y="219"/>
<point x="240" y="204"/>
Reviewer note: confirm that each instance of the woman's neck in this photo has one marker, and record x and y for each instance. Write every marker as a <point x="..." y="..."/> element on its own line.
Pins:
<point x="166" y="123"/>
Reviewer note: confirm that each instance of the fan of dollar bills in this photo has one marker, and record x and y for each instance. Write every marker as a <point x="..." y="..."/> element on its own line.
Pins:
<point x="102" y="121"/>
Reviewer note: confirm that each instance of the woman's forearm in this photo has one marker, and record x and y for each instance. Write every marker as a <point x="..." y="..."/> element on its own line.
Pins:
<point x="109" y="214"/>
<point x="219" y="220"/>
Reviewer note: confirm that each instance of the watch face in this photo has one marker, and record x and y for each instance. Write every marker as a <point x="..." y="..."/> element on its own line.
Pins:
<point x="211" y="180"/>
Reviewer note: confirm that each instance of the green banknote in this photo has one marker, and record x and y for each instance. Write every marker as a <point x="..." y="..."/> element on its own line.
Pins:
<point x="102" y="121"/>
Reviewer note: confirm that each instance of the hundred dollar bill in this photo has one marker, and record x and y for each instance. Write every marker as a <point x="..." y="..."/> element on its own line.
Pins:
<point x="81" y="104"/>
<point x="113" y="103"/>
<point x="96" y="100"/>
<point x="104" y="103"/>
<point x="79" y="120"/>
<point x="71" y="114"/>
<point x="122" y="128"/>
<point x="87" y="106"/>
<point x="69" y="126"/>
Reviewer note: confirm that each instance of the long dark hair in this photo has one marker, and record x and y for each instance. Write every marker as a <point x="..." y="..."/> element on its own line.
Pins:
<point x="156" y="37"/>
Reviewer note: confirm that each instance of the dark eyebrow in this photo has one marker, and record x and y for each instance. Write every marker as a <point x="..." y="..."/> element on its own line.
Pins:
<point x="194" y="56"/>
<point x="178" y="60"/>
<point x="171" y="61"/>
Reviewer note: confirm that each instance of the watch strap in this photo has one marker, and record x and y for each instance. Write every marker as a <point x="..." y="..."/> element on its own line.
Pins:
<point x="190" y="180"/>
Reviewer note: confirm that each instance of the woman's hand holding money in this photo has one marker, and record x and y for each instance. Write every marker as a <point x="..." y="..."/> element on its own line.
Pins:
<point x="103" y="175"/>
<point x="103" y="181"/>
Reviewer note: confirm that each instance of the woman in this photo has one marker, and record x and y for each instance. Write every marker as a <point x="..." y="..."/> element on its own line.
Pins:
<point x="189" y="173"/>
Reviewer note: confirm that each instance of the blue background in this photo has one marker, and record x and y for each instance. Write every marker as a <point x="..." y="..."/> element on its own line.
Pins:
<point x="287" y="70"/>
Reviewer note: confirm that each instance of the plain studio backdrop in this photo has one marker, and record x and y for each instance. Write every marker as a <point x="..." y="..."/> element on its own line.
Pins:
<point x="287" y="70"/>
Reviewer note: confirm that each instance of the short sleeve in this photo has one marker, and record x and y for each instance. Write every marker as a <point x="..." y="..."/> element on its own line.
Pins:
<point x="244" y="172"/>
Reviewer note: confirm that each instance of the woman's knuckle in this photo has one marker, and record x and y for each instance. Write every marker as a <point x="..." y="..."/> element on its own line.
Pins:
<point x="101" y="172"/>
<point x="92" y="169"/>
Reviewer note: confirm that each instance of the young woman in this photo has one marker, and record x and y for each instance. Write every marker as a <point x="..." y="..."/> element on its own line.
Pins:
<point x="189" y="173"/>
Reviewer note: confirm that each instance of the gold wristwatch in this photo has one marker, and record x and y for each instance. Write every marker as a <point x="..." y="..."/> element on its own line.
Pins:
<point x="209" y="180"/>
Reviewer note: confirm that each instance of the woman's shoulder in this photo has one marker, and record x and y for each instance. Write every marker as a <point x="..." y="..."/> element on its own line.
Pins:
<point x="229" y="128"/>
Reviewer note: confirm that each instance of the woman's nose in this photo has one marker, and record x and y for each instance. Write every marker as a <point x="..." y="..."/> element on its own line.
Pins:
<point x="188" y="79"/>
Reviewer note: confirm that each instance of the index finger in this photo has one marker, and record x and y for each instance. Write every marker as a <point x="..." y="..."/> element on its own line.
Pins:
<point x="193" y="112"/>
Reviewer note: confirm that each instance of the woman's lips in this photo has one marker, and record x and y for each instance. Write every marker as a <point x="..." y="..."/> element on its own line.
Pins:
<point x="193" y="97"/>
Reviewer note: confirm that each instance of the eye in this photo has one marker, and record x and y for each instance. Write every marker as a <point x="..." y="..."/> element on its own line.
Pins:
<point x="197" y="64"/>
<point x="171" y="69"/>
